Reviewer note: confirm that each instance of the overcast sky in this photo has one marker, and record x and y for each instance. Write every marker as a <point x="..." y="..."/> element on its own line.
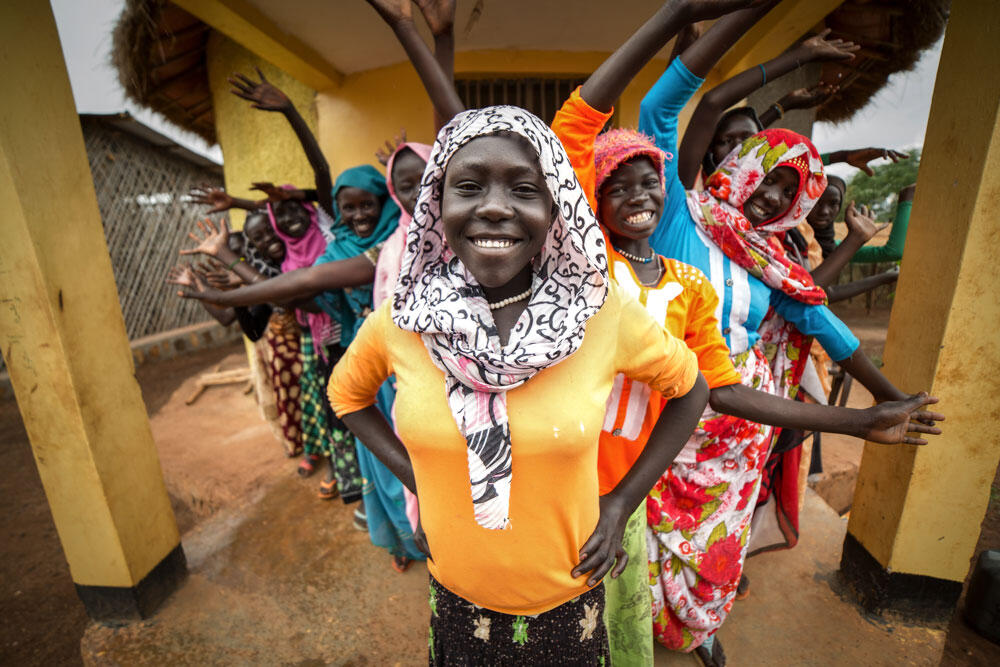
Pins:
<point x="894" y="118"/>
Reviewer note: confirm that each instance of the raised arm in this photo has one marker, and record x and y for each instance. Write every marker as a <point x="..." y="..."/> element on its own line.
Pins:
<point x="800" y="98"/>
<point x="703" y="122"/>
<point x="861" y="226"/>
<point x="835" y="293"/>
<point x="609" y="80"/>
<point x="860" y="157"/>
<point x="267" y="97"/>
<point x="220" y="200"/>
<point x="440" y="17"/>
<point x="439" y="86"/>
<point x="298" y="285"/>
<point x="701" y="56"/>
<point x="892" y="251"/>
<point x="216" y="244"/>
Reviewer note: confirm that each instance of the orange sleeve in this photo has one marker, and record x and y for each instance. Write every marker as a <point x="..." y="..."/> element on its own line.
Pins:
<point x="577" y="125"/>
<point x="702" y="335"/>
<point x="649" y="353"/>
<point x="365" y="365"/>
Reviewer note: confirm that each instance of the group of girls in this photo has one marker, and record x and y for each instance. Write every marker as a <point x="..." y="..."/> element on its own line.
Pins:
<point x="301" y="277"/>
<point x="576" y="363"/>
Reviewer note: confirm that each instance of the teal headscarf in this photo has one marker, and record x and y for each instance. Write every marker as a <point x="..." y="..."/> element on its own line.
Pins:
<point x="349" y="306"/>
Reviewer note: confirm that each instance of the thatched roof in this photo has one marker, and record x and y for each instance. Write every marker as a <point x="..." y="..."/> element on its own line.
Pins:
<point x="159" y="52"/>
<point x="892" y="33"/>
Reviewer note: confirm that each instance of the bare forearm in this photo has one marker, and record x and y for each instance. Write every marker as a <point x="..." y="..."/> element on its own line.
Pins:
<point x="223" y="316"/>
<point x="758" y="406"/>
<point x="444" y="54"/>
<point x="247" y="273"/>
<point x="320" y="167"/>
<point x="672" y="431"/>
<point x="827" y="272"/>
<point x="861" y="368"/>
<point x="701" y="56"/>
<point x="609" y="80"/>
<point x="835" y="293"/>
<point x="438" y="85"/>
<point x="371" y="427"/>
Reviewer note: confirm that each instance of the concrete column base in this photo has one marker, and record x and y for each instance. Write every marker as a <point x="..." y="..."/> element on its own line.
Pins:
<point x="117" y="603"/>
<point x="914" y="597"/>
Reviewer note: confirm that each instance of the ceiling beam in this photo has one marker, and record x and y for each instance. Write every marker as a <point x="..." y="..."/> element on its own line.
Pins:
<point x="248" y="27"/>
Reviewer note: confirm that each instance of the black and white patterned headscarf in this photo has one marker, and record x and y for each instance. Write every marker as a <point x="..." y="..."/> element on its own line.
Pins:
<point x="437" y="297"/>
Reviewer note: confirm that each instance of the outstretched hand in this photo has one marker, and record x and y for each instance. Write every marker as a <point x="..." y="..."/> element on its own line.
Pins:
<point x="215" y="274"/>
<point x="273" y="192"/>
<point x="215" y="239"/>
<point x="860" y="157"/>
<point x="807" y="98"/>
<point x="889" y="422"/>
<point x="392" y="11"/>
<point x="264" y="95"/>
<point x="604" y="547"/>
<point x="818" y="47"/>
<point x="861" y="222"/>
<point x="439" y="14"/>
<point x="385" y="152"/>
<point x="217" y="198"/>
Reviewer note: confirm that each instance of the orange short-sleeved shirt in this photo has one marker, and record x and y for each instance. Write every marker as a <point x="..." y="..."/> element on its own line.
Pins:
<point x="555" y="421"/>
<point x="685" y="302"/>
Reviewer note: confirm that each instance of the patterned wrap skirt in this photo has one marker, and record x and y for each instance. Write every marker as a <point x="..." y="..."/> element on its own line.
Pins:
<point x="322" y="431"/>
<point x="462" y="633"/>
<point x="283" y="360"/>
<point x="698" y="518"/>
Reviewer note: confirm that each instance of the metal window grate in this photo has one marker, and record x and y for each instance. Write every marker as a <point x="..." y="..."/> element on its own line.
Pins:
<point x="540" y="96"/>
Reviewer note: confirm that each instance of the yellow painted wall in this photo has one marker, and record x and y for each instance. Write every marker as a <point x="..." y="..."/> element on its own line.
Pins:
<point x="256" y="145"/>
<point x="61" y="327"/>
<point x="370" y="107"/>
<point x="919" y="510"/>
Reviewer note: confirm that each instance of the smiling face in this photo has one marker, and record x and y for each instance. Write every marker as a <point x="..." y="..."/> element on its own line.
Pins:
<point x="359" y="210"/>
<point x="292" y="218"/>
<point x="773" y="197"/>
<point x="496" y="208"/>
<point x="730" y="133"/>
<point x="631" y="199"/>
<point x="825" y="212"/>
<point x="259" y="232"/>
<point x="407" y="170"/>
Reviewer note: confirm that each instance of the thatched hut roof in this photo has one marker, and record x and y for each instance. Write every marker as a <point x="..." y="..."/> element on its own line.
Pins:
<point x="892" y="34"/>
<point x="159" y="52"/>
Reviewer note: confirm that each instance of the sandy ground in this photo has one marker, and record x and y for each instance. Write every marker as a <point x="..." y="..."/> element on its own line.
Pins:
<point x="282" y="576"/>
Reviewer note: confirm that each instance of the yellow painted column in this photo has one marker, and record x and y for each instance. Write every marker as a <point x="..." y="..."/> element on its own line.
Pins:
<point x="64" y="339"/>
<point x="917" y="511"/>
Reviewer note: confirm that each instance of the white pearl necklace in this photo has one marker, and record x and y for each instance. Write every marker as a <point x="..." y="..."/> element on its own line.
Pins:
<point x="634" y="258"/>
<point x="511" y="299"/>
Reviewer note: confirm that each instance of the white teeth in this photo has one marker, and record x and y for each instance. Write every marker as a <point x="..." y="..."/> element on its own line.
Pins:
<point x="639" y="218"/>
<point x="493" y="243"/>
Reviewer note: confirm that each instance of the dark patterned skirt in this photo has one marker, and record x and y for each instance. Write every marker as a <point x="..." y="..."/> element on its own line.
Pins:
<point x="323" y="432"/>
<point x="463" y="634"/>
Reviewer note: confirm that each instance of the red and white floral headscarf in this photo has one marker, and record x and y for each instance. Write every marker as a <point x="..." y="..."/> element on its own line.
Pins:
<point x="718" y="210"/>
<point x="437" y="297"/>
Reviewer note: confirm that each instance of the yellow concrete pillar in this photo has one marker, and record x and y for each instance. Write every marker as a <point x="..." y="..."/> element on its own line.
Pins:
<point x="917" y="511"/>
<point x="64" y="338"/>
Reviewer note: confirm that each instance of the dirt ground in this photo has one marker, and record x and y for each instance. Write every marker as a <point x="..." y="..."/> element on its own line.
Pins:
<point x="219" y="458"/>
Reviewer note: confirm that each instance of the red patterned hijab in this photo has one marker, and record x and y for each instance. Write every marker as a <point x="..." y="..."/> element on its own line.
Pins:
<point x="718" y="210"/>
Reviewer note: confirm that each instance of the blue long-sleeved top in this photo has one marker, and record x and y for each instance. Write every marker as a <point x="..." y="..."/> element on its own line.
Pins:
<point x="743" y="299"/>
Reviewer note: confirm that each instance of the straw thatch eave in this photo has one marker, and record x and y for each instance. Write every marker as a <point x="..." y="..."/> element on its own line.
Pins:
<point x="159" y="52"/>
<point x="892" y="33"/>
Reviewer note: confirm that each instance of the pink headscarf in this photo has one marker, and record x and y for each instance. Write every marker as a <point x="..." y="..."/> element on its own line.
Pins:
<point x="300" y="253"/>
<point x="390" y="258"/>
